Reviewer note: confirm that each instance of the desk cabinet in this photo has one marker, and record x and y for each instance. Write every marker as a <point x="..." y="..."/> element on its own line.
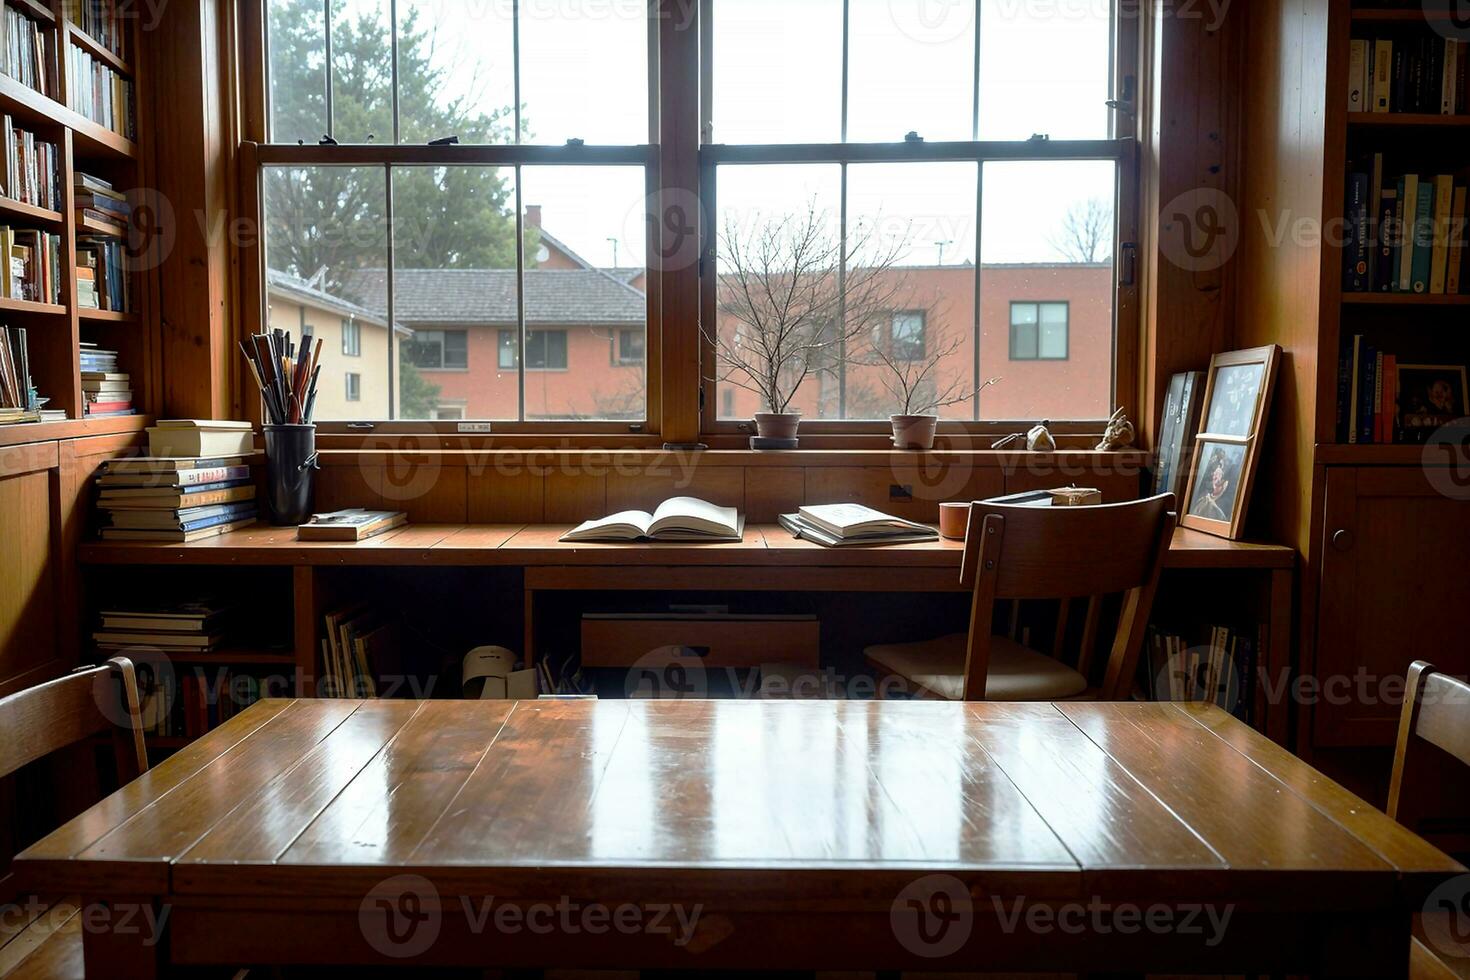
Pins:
<point x="1395" y="587"/>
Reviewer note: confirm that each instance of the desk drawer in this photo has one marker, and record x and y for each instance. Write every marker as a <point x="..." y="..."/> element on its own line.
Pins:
<point x="715" y="641"/>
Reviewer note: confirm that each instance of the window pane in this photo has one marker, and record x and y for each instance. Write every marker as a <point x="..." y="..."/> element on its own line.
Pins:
<point x="766" y="50"/>
<point x="1048" y="239"/>
<point x="1044" y="69"/>
<point x="584" y="71"/>
<point x="298" y="70"/>
<point x="362" y="72"/>
<point x="456" y="71"/>
<point x="455" y="270"/>
<point x="779" y="259"/>
<point x="585" y="230"/>
<point x="911" y="248"/>
<point x="324" y="230"/>
<point x="911" y="68"/>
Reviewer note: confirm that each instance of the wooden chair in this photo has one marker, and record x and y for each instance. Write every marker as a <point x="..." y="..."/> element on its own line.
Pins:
<point x="35" y="723"/>
<point x="1064" y="553"/>
<point x="1433" y="748"/>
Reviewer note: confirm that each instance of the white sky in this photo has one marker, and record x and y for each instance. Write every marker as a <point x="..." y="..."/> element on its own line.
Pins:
<point x="777" y="78"/>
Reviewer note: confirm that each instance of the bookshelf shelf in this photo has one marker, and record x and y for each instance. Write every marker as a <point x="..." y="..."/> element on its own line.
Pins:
<point x="106" y="316"/>
<point x="1370" y="454"/>
<point x="22" y="432"/>
<point x="88" y="44"/>
<point x="35" y="9"/>
<point x="1418" y="119"/>
<point x="29" y="306"/>
<point x="21" y="211"/>
<point x="92" y="139"/>
<point x="1406" y="299"/>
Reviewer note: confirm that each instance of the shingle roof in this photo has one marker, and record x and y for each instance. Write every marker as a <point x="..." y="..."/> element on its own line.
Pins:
<point x="298" y="289"/>
<point x="488" y="296"/>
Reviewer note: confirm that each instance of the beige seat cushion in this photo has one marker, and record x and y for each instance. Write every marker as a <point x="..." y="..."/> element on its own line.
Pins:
<point x="1016" y="673"/>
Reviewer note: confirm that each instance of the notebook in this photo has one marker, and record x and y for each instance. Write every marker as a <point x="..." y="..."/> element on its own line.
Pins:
<point x="676" y="519"/>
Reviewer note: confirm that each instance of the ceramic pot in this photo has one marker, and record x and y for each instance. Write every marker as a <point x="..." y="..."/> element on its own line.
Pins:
<point x="777" y="425"/>
<point x="914" y="431"/>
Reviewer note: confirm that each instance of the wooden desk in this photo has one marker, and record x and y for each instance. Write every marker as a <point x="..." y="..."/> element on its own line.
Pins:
<point x="838" y="835"/>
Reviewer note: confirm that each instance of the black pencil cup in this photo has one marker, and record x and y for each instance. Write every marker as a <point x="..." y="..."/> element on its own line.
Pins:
<point x="290" y="465"/>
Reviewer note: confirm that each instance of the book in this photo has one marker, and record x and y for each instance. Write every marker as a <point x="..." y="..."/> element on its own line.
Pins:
<point x="181" y="437"/>
<point x="858" y="521"/>
<point x="176" y="536"/>
<point x="676" y="519"/>
<point x="183" y="478"/>
<point x="159" y="638"/>
<point x="1385" y="238"/>
<point x="1409" y="210"/>
<point x="352" y="524"/>
<point x="170" y="464"/>
<point x="1357" y="250"/>
<point x="171" y="499"/>
<point x="185" y="518"/>
<point x="801" y="528"/>
<point x="1457" y="242"/>
<point x="1357" y="75"/>
<point x="1382" y="74"/>
<point x="1423" y="236"/>
<point x="1444" y="192"/>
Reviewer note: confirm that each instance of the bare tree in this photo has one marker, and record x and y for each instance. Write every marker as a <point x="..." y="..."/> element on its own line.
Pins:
<point x="919" y="385"/>
<point x="1086" y="232"/>
<point x="789" y="309"/>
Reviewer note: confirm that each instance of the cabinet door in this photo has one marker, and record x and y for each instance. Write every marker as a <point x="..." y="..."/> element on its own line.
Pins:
<point x="1395" y="588"/>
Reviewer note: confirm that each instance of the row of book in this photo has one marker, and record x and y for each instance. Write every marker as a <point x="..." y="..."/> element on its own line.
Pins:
<point x="27" y="51"/>
<point x="188" y="704"/>
<point x="1404" y="234"/>
<point x="1380" y="400"/>
<point x="101" y="94"/>
<point x="1423" y="73"/>
<point x="31" y="167"/>
<point x="19" y="401"/>
<point x="102" y="279"/>
<point x="105" y="390"/>
<point x="1220" y="669"/>
<point x="103" y="21"/>
<point x="361" y="644"/>
<point x="32" y="263"/>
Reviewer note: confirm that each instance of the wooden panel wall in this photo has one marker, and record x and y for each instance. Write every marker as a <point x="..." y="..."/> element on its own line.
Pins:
<point x="568" y="488"/>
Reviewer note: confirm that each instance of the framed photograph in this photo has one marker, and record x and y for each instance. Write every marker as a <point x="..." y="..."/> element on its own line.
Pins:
<point x="1237" y="400"/>
<point x="1429" y="396"/>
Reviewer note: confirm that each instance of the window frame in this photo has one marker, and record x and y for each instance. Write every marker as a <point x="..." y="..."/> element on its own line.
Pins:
<point x="352" y="386"/>
<point x="679" y="163"/>
<point x="443" y="332"/>
<point x="351" y="328"/>
<point x="1066" y="306"/>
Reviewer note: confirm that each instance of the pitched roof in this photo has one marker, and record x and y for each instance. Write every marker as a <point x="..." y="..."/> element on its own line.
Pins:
<point x="300" y="290"/>
<point x="487" y="297"/>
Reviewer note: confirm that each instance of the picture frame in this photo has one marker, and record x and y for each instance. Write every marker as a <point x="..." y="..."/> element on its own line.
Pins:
<point x="1429" y="396"/>
<point x="1237" y="401"/>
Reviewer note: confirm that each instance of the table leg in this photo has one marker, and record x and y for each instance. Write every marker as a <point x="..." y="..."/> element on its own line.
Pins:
<point x="125" y="938"/>
<point x="530" y="639"/>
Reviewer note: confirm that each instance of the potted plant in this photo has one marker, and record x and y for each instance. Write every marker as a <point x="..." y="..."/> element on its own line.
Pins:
<point x="911" y="374"/>
<point x="788" y="310"/>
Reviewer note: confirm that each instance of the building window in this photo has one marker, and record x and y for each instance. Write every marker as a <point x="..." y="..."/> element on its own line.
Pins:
<point x="906" y="335"/>
<point x="438" y="350"/>
<point x="630" y="347"/>
<point x="351" y="338"/>
<point x="1039" y="331"/>
<point x="448" y="413"/>
<point x="354" y="387"/>
<point x="546" y="350"/>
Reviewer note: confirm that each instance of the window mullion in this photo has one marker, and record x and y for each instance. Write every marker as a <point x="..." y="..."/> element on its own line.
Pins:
<point x="515" y="72"/>
<point x="388" y="283"/>
<point x="841" y="325"/>
<point x="846" y="45"/>
<point x="327" y="14"/>
<point x="521" y="351"/>
<point x="393" y="68"/>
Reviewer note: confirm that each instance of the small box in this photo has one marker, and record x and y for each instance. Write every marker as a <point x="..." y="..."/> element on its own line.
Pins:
<point x="1075" y="497"/>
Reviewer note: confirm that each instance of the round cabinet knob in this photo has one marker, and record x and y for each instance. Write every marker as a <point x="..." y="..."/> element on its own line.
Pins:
<point x="1342" y="539"/>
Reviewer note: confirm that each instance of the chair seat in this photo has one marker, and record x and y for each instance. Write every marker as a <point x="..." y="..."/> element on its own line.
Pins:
<point x="1016" y="673"/>
<point x="49" y="946"/>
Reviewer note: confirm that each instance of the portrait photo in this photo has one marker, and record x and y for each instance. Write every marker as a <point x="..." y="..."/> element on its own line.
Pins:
<point x="1233" y="400"/>
<point x="1430" y="395"/>
<point x="1217" y="481"/>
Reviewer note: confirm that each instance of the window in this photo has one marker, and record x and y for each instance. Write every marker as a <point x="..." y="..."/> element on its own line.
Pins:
<point x="351" y="338"/>
<point x="546" y="350"/>
<point x="898" y="202"/>
<point x="448" y="413"/>
<point x="1038" y="331"/>
<point x="438" y="350"/>
<point x="630" y="347"/>
<point x="354" y="387"/>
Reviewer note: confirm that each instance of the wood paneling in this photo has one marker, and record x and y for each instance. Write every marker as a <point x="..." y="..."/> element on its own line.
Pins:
<point x="28" y="572"/>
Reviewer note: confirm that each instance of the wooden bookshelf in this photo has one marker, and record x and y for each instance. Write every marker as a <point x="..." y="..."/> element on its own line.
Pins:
<point x="1419" y="119"/>
<point x="54" y="331"/>
<point x="1406" y="299"/>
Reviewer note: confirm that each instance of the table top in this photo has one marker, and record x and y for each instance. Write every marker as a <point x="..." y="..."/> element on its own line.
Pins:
<point x="766" y="545"/>
<point x="327" y="797"/>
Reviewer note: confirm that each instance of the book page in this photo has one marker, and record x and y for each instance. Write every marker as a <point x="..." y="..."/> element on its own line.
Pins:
<point x="624" y="524"/>
<point x="693" y="514"/>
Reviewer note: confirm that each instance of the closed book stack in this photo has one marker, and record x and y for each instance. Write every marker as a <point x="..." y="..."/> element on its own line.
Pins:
<point x="186" y="627"/>
<point x="106" y="391"/>
<point x="175" y="498"/>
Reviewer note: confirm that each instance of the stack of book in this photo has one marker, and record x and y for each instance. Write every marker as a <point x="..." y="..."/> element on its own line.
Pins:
<point x="97" y="200"/>
<point x="31" y="260"/>
<point x="361" y="645"/>
<point x="175" y="499"/>
<point x="32" y="167"/>
<point x="102" y="280"/>
<point x="1404" y="234"/>
<point x="104" y="22"/>
<point x="106" y="391"/>
<point x="1423" y="73"/>
<point x="1220" y="670"/>
<point x="25" y="56"/>
<point x="839" y="525"/>
<point x="99" y="93"/>
<point x="193" y="627"/>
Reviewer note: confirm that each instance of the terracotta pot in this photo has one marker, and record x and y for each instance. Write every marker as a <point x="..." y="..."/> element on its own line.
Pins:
<point x="914" y="431"/>
<point x="777" y="425"/>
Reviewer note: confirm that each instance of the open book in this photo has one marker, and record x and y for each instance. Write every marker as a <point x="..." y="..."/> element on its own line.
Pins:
<point x="858" y="521"/>
<point x="676" y="519"/>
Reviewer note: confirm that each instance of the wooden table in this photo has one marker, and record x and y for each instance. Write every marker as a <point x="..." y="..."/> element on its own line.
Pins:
<point x="743" y="834"/>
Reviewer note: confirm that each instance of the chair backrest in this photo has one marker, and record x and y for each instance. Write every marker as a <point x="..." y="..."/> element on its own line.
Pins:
<point x="1436" y="713"/>
<point x="1019" y="552"/>
<point x="92" y="701"/>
